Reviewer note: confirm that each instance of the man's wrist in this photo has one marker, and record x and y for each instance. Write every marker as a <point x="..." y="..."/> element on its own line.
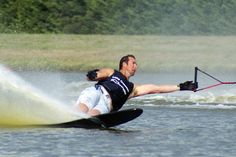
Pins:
<point x="178" y="86"/>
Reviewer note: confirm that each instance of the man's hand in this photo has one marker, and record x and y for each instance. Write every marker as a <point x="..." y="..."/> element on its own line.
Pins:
<point x="188" y="85"/>
<point x="91" y="75"/>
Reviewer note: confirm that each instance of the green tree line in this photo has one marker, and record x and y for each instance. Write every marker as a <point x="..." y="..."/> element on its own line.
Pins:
<point x="161" y="17"/>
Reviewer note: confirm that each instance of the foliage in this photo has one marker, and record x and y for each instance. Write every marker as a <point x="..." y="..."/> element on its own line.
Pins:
<point x="162" y="17"/>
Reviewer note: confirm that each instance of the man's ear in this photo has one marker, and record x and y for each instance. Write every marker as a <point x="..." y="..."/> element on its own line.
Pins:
<point x="124" y="64"/>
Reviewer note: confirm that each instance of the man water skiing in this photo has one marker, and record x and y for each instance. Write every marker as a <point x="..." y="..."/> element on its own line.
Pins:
<point x="113" y="88"/>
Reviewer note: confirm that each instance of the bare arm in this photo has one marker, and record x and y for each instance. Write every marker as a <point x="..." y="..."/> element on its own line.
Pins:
<point x="153" y="89"/>
<point x="96" y="75"/>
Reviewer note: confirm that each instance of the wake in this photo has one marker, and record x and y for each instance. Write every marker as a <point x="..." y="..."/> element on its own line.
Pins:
<point x="203" y="101"/>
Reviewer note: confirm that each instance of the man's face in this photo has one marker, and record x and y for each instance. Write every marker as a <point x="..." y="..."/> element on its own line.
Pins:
<point x="132" y="66"/>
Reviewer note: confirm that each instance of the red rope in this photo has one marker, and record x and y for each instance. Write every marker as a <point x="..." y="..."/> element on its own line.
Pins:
<point x="214" y="85"/>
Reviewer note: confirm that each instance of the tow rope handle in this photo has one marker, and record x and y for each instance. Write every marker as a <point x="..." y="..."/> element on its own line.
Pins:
<point x="214" y="78"/>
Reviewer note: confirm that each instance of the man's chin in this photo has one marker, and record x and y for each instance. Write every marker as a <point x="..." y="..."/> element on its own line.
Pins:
<point x="133" y="74"/>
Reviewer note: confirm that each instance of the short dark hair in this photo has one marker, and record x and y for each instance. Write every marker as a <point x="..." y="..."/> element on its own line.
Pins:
<point x="125" y="59"/>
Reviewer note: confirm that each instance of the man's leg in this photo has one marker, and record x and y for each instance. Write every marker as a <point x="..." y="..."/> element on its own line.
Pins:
<point x="94" y="112"/>
<point x="100" y="108"/>
<point x="82" y="108"/>
<point x="87" y="100"/>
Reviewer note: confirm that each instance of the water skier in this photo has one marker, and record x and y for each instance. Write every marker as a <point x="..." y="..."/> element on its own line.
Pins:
<point x="113" y="88"/>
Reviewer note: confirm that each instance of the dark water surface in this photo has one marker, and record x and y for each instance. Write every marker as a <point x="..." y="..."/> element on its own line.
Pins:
<point x="178" y="124"/>
<point x="160" y="131"/>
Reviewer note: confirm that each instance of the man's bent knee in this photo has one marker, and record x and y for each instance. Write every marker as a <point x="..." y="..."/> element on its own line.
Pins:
<point x="94" y="112"/>
<point x="81" y="107"/>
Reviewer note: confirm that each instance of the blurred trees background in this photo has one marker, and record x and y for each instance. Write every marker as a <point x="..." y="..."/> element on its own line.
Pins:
<point x="160" y="17"/>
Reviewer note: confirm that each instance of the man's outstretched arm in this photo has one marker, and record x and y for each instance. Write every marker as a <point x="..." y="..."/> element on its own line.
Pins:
<point x="140" y="90"/>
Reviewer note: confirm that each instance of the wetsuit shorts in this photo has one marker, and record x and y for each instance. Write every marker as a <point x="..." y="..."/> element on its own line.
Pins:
<point x="96" y="98"/>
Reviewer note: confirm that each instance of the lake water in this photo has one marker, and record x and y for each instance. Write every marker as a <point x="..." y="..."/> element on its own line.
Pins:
<point x="176" y="124"/>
